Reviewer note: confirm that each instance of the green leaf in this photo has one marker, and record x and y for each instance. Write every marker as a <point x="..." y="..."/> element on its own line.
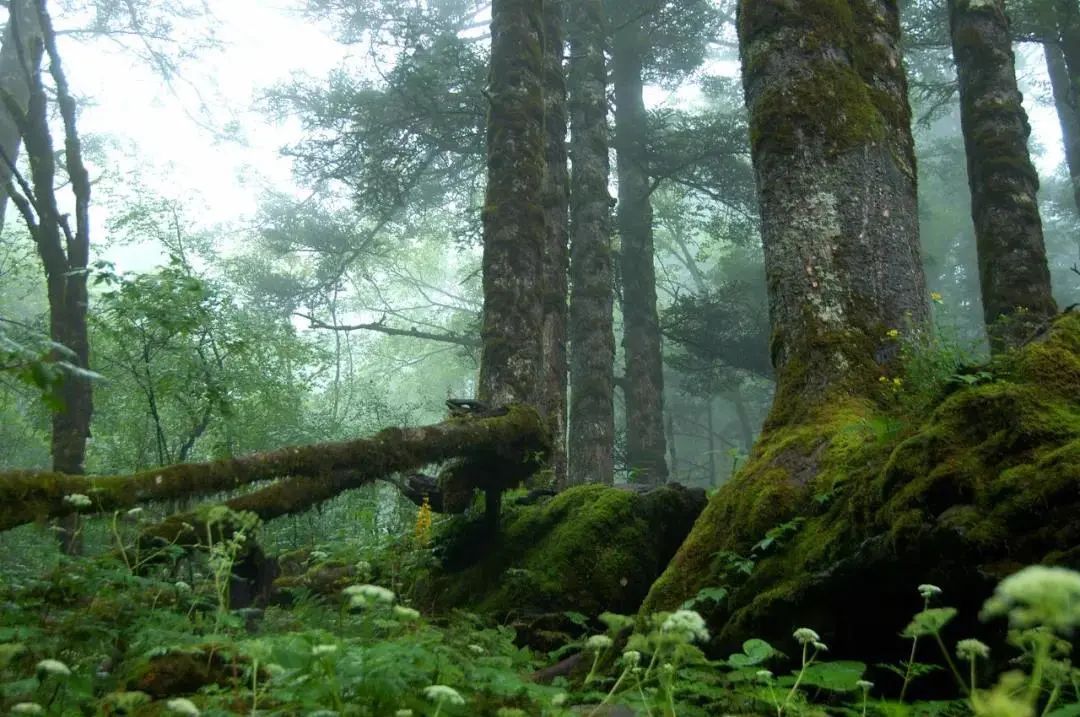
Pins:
<point x="929" y="622"/>
<point x="1072" y="710"/>
<point x="754" y="652"/>
<point x="839" y="676"/>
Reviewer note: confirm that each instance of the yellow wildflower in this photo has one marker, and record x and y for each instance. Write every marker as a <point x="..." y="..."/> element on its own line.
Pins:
<point x="892" y="333"/>
<point x="935" y="297"/>
<point x="422" y="531"/>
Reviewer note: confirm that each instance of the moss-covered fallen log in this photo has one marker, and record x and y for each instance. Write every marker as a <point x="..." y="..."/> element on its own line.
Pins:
<point x="313" y="473"/>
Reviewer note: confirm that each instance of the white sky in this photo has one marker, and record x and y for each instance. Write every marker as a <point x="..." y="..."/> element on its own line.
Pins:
<point x="264" y="42"/>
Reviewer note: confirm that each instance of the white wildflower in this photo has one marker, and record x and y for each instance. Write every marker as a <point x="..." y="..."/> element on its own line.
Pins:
<point x="632" y="658"/>
<point x="404" y="713"/>
<point x="374" y="593"/>
<point x="27" y="708"/>
<point x="319" y="650"/>
<point x="443" y="693"/>
<point x="183" y="706"/>
<point x="686" y="624"/>
<point x="558" y="700"/>
<point x="476" y="649"/>
<point x="864" y="685"/>
<point x="928" y="591"/>
<point x="53" y="667"/>
<point x="182" y="586"/>
<point x="764" y="675"/>
<point x="406" y="613"/>
<point x="78" y="500"/>
<point x="970" y="649"/>
<point x="820" y="646"/>
<point x="598" y="643"/>
<point x="805" y="636"/>
<point x="1038" y="595"/>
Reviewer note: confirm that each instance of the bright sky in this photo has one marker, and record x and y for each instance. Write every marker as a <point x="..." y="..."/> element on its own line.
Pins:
<point x="264" y="42"/>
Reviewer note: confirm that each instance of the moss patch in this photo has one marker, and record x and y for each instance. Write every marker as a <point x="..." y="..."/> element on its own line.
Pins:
<point x="989" y="481"/>
<point x="591" y="548"/>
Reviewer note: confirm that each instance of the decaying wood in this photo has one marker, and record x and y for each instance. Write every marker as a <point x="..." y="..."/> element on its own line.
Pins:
<point x="312" y="473"/>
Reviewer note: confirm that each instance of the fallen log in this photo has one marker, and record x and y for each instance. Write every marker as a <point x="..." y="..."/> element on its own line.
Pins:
<point x="517" y="441"/>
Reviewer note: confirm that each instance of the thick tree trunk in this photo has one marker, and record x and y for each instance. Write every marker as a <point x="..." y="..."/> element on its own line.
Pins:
<point x="1013" y="272"/>
<point x="835" y="168"/>
<point x="515" y="231"/>
<point x="1068" y="117"/>
<point x="16" y="68"/>
<point x="592" y="340"/>
<point x="644" y="389"/>
<point x="556" y="250"/>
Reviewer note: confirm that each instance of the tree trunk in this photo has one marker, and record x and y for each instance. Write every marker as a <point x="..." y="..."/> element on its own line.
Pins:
<point x="556" y="250"/>
<point x="14" y="81"/>
<point x="515" y="231"/>
<point x="1067" y="114"/>
<point x="1013" y="272"/>
<point x="835" y="168"/>
<point x="592" y="340"/>
<point x="641" y="327"/>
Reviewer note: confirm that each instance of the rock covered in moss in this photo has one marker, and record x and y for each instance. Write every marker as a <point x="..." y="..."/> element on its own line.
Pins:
<point x="589" y="549"/>
<point x="861" y="510"/>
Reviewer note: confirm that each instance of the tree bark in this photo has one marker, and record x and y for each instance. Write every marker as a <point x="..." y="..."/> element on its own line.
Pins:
<point x="1013" y="272"/>
<point x="645" y="442"/>
<point x="835" y="169"/>
<point x="515" y="230"/>
<point x="592" y="339"/>
<point x="556" y="250"/>
<point x="15" y="72"/>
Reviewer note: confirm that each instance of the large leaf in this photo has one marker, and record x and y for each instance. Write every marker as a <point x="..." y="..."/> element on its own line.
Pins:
<point x="839" y="676"/>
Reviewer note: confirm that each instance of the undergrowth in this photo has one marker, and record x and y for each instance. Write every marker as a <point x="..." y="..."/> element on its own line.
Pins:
<point x="120" y="634"/>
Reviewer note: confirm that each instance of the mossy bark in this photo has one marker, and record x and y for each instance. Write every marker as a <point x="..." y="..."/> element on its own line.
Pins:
<point x="515" y="228"/>
<point x="987" y="482"/>
<point x="556" y="248"/>
<point x="592" y="339"/>
<point x="1013" y="272"/>
<point x="314" y="473"/>
<point x="644" y="385"/>
<point x="835" y="169"/>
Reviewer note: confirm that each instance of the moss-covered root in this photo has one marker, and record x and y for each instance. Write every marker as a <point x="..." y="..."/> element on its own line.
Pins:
<point x="986" y="483"/>
<point x="317" y="472"/>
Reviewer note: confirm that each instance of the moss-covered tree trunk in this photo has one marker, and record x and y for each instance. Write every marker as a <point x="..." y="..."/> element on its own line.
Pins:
<point x="556" y="249"/>
<point x="644" y="383"/>
<point x="1013" y="272"/>
<point x="1067" y="112"/>
<point x="515" y="231"/>
<point x="592" y="340"/>
<point x="835" y="169"/>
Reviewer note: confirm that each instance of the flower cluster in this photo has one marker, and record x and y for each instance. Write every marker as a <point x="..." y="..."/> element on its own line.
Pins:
<point x="1038" y="595"/>
<point x="686" y="625"/>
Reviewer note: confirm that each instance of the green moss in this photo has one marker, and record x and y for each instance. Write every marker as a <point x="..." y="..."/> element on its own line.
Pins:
<point x="839" y="94"/>
<point x="990" y="480"/>
<point x="590" y="548"/>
